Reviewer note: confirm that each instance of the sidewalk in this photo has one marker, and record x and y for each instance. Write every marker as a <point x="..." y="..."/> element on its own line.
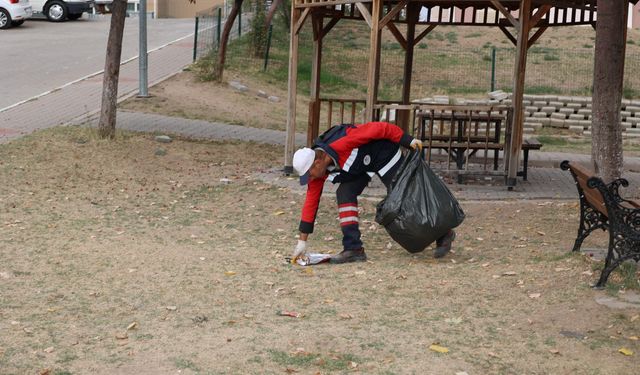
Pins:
<point x="546" y="179"/>
<point x="84" y="97"/>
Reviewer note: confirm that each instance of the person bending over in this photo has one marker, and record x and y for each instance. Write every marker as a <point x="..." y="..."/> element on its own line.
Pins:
<point x="350" y="155"/>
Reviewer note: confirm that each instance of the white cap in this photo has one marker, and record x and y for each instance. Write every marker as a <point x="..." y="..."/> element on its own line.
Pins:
<point x="302" y="161"/>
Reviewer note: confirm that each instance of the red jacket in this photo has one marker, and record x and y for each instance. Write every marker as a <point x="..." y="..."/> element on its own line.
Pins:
<point x="368" y="148"/>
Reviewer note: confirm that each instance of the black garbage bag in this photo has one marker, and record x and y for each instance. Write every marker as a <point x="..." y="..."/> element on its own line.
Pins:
<point x="419" y="208"/>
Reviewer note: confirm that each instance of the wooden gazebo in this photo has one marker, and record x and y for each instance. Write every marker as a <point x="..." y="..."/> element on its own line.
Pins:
<point x="522" y="21"/>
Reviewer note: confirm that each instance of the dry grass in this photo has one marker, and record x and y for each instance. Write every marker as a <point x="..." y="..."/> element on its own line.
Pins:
<point x="97" y="235"/>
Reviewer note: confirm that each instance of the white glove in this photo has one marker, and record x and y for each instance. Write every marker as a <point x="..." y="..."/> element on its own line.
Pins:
<point x="300" y="249"/>
<point x="416" y="144"/>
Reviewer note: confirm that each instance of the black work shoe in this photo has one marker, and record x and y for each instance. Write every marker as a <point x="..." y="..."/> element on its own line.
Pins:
<point x="444" y="244"/>
<point x="347" y="256"/>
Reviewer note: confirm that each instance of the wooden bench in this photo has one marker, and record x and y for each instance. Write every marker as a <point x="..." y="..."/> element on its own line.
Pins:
<point x="481" y="143"/>
<point x="528" y="144"/>
<point x="602" y="207"/>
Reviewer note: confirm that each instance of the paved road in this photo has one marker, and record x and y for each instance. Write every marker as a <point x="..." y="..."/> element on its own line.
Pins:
<point x="40" y="56"/>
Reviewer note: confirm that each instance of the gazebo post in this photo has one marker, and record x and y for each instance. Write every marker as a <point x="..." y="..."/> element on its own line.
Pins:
<point x="518" y="93"/>
<point x="314" y="92"/>
<point x="292" y="88"/>
<point x="374" y="59"/>
<point x="413" y="12"/>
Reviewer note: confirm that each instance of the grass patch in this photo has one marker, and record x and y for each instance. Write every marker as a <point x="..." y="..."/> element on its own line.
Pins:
<point x="550" y="57"/>
<point x="183" y="364"/>
<point x="289" y="359"/>
<point x="330" y="362"/>
<point x="540" y="90"/>
<point x="629" y="273"/>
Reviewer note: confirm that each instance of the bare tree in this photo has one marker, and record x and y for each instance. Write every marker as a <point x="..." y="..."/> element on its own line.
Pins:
<point x="271" y="13"/>
<point x="608" y="76"/>
<point x="224" y="38"/>
<point x="107" y="123"/>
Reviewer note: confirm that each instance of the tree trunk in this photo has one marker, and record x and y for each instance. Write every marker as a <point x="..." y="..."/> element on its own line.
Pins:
<point x="107" y="124"/>
<point x="271" y="13"/>
<point x="224" y="38"/>
<point x="608" y="75"/>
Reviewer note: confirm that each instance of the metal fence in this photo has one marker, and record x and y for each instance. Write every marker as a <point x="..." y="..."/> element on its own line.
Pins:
<point x="209" y="24"/>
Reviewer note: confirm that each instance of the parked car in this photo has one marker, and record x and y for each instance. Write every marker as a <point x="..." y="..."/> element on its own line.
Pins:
<point x="61" y="10"/>
<point x="14" y="12"/>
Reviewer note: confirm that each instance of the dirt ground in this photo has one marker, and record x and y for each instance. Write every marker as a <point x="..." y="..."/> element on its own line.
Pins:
<point x="184" y="95"/>
<point x="132" y="256"/>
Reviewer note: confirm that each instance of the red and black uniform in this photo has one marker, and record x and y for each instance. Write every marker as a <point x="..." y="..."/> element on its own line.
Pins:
<point x="358" y="152"/>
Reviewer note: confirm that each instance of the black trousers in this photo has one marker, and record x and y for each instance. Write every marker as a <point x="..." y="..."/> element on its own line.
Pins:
<point x="347" y="196"/>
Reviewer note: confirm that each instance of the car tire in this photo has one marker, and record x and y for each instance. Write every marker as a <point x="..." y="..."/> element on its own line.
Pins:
<point x="5" y="19"/>
<point x="17" y="23"/>
<point x="74" y="16"/>
<point x="56" y="11"/>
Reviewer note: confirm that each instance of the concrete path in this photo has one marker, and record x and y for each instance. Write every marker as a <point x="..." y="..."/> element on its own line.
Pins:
<point x="546" y="181"/>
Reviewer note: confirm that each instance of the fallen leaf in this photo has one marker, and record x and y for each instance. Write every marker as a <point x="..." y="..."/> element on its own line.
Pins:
<point x="534" y="295"/>
<point x="438" y="348"/>
<point x="633" y="318"/>
<point x="509" y="273"/>
<point x="494" y="355"/>
<point x="230" y="273"/>
<point x="292" y="314"/>
<point x="353" y="364"/>
<point x="554" y="351"/>
<point x="485" y="264"/>
<point x="278" y="213"/>
<point x="560" y="269"/>
<point x="45" y="371"/>
<point x="625" y="351"/>
<point x="172" y="308"/>
<point x="588" y="273"/>
<point x="541" y="233"/>
<point x="480" y="239"/>
<point x="132" y="326"/>
<point x="346" y="316"/>
<point x="49" y="350"/>
<point x="633" y="338"/>
<point x="122" y="336"/>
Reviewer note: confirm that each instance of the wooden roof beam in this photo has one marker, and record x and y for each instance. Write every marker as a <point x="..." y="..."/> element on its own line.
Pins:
<point x="423" y="34"/>
<point x="398" y="35"/>
<point x="300" y="22"/>
<point x="542" y="11"/>
<point x="508" y="34"/>
<point x="326" y="3"/>
<point x="505" y="12"/>
<point x="394" y="11"/>
<point x="536" y="35"/>
<point x="365" y="13"/>
<point x="329" y="26"/>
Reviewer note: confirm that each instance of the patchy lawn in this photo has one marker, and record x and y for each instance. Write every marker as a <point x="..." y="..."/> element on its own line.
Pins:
<point x="120" y="257"/>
